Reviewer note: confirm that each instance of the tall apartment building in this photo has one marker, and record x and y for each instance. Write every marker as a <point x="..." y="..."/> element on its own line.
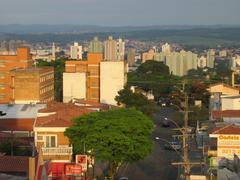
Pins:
<point x="32" y="85"/>
<point x="120" y="49"/>
<point x="202" y="62"/>
<point x="98" y="80"/>
<point x="180" y="63"/>
<point x="114" y="50"/>
<point x="131" y="56"/>
<point x="22" y="59"/>
<point x="76" y="51"/>
<point x="53" y="52"/>
<point x="166" y="49"/>
<point x="148" y="55"/>
<point x="210" y="58"/>
<point x="95" y="46"/>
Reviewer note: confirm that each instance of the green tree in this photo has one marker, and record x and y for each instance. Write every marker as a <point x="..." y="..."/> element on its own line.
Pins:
<point x="153" y="76"/>
<point x="116" y="136"/>
<point x="135" y="99"/>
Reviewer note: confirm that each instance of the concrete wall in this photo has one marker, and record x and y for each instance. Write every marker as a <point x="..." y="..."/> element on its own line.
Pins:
<point x="74" y="86"/>
<point x="112" y="79"/>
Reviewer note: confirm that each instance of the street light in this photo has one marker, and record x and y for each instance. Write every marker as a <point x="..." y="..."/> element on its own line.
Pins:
<point x="164" y="140"/>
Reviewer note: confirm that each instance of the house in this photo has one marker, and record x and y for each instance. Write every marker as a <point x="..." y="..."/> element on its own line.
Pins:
<point x="49" y="129"/>
<point x="223" y="89"/>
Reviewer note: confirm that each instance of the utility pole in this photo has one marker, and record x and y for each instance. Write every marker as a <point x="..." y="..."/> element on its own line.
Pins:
<point x="187" y="164"/>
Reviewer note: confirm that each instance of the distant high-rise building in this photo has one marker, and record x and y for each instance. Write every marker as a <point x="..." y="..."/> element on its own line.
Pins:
<point x="180" y="63"/>
<point x="110" y="49"/>
<point x="210" y="58"/>
<point x="235" y="62"/>
<point x="114" y="50"/>
<point x="120" y="49"/>
<point x="53" y="52"/>
<point x="223" y="53"/>
<point x="166" y="49"/>
<point x="131" y="56"/>
<point x="76" y="51"/>
<point x="95" y="46"/>
<point x="161" y="57"/>
<point x="202" y="62"/>
<point x="148" y="55"/>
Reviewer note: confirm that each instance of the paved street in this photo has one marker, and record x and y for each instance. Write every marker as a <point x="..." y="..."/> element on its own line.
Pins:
<point x="156" y="166"/>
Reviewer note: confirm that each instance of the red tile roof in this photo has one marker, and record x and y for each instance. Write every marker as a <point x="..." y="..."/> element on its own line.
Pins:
<point x="64" y="113"/>
<point x="228" y="129"/>
<point x="226" y="113"/>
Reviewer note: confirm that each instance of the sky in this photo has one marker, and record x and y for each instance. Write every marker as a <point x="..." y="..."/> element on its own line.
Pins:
<point x="120" y="12"/>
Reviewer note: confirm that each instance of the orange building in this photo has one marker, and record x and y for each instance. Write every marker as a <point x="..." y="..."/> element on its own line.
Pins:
<point x="92" y="69"/>
<point x="22" y="59"/>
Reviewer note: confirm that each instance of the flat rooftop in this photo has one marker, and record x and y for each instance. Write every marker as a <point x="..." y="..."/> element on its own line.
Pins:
<point x="20" y="110"/>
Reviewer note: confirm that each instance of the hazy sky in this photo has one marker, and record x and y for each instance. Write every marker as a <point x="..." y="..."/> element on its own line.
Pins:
<point x="120" y="12"/>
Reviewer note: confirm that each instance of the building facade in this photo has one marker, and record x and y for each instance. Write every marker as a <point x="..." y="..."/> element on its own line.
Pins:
<point x="76" y="51"/>
<point x="32" y="85"/>
<point x="95" y="46"/>
<point x="22" y="59"/>
<point x="114" y="50"/>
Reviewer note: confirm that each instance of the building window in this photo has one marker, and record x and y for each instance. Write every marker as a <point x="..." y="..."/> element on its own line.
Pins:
<point x="2" y="86"/>
<point x="2" y="75"/>
<point x="2" y="96"/>
<point x="2" y="64"/>
<point x="50" y="141"/>
<point x="40" y="138"/>
<point x="93" y="84"/>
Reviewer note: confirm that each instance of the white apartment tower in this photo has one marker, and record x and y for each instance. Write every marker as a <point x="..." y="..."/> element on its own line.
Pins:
<point x="76" y="51"/>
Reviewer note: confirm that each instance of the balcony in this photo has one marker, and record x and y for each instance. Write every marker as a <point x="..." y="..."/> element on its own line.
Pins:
<point x="50" y="151"/>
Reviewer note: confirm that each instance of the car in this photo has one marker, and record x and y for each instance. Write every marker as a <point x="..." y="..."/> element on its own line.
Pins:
<point x="165" y="123"/>
<point x="173" y="146"/>
<point x="123" y="178"/>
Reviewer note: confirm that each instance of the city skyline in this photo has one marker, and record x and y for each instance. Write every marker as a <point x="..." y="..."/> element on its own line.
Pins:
<point x="121" y="13"/>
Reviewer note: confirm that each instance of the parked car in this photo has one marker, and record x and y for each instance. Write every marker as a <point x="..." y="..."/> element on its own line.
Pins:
<point x="173" y="146"/>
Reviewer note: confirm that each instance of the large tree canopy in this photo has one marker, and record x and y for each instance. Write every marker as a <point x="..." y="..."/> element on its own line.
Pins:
<point x="115" y="136"/>
<point x="153" y="76"/>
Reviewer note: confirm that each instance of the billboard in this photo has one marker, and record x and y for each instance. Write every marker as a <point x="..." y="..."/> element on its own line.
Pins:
<point x="228" y="145"/>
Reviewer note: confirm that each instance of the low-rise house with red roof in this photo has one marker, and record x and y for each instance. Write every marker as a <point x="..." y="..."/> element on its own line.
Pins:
<point x="49" y="130"/>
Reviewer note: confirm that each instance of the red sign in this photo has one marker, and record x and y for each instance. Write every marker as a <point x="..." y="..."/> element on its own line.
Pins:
<point x="71" y="169"/>
<point x="82" y="160"/>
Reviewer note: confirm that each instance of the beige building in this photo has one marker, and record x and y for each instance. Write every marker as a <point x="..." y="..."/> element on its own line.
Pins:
<point x="202" y="62"/>
<point x="114" y="50"/>
<point x="112" y="79"/>
<point x="166" y="49"/>
<point x="76" y="51"/>
<point x="230" y="102"/>
<point x="223" y="89"/>
<point x="71" y="89"/>
<point x="32" y="85"/>
<point x="148" y="55"/>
